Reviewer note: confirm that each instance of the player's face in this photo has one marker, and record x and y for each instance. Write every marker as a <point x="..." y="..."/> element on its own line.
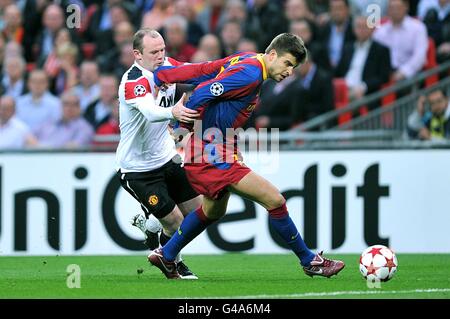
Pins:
<point x="281" y="66"/>
<point x="153" y="53"/>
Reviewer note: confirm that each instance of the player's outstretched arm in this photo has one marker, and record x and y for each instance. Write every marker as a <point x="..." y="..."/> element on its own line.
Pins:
<point x="138" y="94"/>
<point x="194" y="73"/>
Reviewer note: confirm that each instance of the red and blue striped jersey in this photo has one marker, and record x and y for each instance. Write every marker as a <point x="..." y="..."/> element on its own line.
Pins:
<point x="227" y="89"/>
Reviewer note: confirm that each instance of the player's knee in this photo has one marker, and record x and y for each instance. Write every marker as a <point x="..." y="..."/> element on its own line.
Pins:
<point x="276" y="201"/>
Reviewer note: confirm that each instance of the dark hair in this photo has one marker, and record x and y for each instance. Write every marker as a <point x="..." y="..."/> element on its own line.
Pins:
<point x="347" y="4"/>
<point x="289" y="43"/>
<point x="139" y="36"/>
<point x="435" y="90"/>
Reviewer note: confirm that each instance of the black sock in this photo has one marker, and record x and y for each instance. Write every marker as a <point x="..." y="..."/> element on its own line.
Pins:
<point x="163" y="238"/>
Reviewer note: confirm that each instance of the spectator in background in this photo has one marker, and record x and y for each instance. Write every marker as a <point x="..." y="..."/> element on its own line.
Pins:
<point x="71" y="131"/>
<point x="406" y="38"/>
<point x="425" y="7"/>
<point x="305" y="94"/>
<point x="13" y="29"/>
<point x="14" y="133"/>
<point x="67" y="76"/>
<point x="103" y="21"/>
<point x="3" y="5"/>
<point x="61" y="64"/>
<point x="142" y="7"/>
<point x="13" y="80"/>
<point x="177" y="47"/>
<point x="305" y="30"/>
<point x="436" y="16"/>
<point x="365" y="64"/>
<point x="32" y="12"/>
<point x="431" y="119"/>
<point x="360" y="7"/>
<point x="105" y="39"/>
<point x="39" y="105"/>
<point x="200" y="56"/>
<point x="123" y="32"/>
<point x="210" y="44"/>
<point x="13" y="49"/>
<point x="53" y="21"/>
<point x="230" y="35"/>
<point x="298" y="9"/>
<point x="51" y="64"/>
<point x="235" y="11"/>
<point x="321" y="9"/>
<point x="212" y="16"/>
<point x="338" y="32"/>
<point x="126" y="59"/>
<point x="154" y="19"/>
<point x="265" y="21"/>
<point x="194" y="30"/>
<point x="247" y="45"/>
<point x="88" y="90"/>
<point x="99" y="111"/>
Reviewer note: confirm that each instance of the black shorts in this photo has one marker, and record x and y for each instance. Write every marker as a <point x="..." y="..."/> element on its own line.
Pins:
<point x="158" y="191"/>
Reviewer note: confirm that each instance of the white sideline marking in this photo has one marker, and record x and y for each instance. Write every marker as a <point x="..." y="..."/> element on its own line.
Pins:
<point x="340" y="293"/>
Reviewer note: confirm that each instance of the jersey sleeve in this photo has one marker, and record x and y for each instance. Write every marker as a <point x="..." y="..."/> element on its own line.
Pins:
<point x="138" y="94"/>
<point x="233" y="83"/>
<point x="194" y="73"/>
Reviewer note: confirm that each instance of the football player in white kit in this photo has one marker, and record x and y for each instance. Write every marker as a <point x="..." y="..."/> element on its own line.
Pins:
<point x="148" y="165"/>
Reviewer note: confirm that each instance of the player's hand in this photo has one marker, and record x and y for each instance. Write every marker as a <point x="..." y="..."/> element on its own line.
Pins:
<point x="182" y="113"/>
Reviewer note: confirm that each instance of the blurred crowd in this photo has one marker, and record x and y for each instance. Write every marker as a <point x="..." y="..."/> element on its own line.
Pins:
<point x="61" y="61"/>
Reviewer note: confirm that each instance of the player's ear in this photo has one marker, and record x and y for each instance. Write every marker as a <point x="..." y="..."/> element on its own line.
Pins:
<point x="137" y="54"/>
<point x="273" y="54"/>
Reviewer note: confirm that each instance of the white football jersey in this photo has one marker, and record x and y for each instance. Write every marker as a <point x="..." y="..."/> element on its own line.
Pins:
<point x="144" y="113"/>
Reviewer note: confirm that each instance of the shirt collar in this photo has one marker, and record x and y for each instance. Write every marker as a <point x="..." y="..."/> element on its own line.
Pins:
<point x="261" y="60"/>
<point x="140" y="67"/>
<point x="364" y="44"/>
<point x="402" y="24"/>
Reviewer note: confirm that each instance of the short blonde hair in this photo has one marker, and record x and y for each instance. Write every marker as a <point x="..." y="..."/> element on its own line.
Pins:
<point x="138" y="43"/>
<point x="67" y="48"/>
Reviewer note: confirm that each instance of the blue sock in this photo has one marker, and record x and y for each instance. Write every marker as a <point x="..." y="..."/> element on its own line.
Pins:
<point x="193" y="224"/>
<point x="285" y="227"/>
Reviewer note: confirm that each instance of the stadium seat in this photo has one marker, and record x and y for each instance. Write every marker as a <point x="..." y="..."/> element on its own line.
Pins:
<point x="341" y="99"/>
<point x="431" y="63"/>
<point x="387" y="118"/>
<point x="389" y="98"/>
<point x="88" y="50"/>
<point x="30" y="67"/>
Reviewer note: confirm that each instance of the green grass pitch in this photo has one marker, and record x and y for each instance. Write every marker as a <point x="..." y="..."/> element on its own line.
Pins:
<point x="221" y="276"/>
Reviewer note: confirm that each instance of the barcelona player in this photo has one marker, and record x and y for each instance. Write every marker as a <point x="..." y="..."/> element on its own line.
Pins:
<point x="225" y="98"/>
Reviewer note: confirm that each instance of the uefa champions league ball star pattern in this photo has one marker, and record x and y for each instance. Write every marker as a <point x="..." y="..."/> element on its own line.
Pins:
<point x="378" y="263"/>
<point x="216" y="88"/>
<point x="139" y="90"/>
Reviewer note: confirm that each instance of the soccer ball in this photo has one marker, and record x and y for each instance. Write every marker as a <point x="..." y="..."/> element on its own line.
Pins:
<point x="378" y="263"/>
